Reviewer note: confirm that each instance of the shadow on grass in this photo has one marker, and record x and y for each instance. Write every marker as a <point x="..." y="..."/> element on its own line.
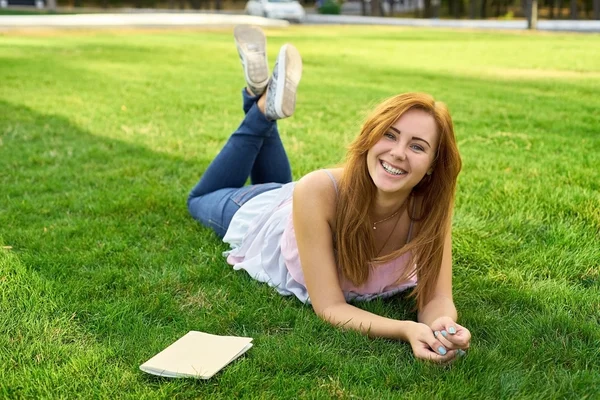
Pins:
<point x="107" y="223"/>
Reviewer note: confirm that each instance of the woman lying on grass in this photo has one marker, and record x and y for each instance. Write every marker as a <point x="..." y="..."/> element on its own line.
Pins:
<point x="377" y="226"/>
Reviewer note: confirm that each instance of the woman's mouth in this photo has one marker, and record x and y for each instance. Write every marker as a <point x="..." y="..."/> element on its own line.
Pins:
<point x="392" y="170"/>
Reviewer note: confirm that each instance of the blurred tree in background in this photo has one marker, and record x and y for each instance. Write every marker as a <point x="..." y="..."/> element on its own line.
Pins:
<point x="473" y="9"/>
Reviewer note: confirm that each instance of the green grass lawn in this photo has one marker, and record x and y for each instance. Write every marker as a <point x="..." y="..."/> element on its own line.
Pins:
<point x="102" y="134"/>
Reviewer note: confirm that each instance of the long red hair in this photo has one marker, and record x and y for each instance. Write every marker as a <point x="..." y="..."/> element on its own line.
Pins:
<point x="355" y="244"/>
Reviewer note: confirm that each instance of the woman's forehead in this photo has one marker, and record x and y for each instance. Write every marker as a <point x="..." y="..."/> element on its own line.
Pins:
<point x="417" y="123"/>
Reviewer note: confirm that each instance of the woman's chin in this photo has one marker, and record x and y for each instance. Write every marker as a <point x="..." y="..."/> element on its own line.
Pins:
<point x="389" y="189"/>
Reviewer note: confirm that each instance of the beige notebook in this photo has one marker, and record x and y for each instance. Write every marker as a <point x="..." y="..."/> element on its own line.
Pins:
<point x="197" y="355"/>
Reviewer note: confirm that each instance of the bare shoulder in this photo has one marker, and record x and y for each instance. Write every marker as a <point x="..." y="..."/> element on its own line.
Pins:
<point x="319" y="184"/>
<point x="317" y="191"/>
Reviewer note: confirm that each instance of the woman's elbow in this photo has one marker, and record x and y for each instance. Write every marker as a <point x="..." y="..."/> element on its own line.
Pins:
<point x="327" y="311"/>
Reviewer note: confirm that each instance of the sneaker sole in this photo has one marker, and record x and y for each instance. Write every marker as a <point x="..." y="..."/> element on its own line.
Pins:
<point x="256" y="69"/>
<point x="289" y="71"/>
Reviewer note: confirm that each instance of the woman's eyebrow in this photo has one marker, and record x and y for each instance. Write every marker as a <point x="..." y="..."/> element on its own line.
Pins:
<point x="413" y="138"/>
<point x="421" y="139"/>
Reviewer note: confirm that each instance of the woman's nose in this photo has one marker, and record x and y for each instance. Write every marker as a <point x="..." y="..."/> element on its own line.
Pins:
<point x="398" y="152"/>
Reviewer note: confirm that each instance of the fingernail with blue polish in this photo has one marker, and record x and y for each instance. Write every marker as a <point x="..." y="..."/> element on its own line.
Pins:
<point x="452" y="330"/>
<point x="436" y="333"/>
<point x="442" y="350"/>
<point x="444" y="334"/>
<point x="461" y="352"/>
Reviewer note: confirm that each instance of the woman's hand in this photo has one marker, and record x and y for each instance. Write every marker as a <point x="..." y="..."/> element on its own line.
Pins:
<point x="451" y="334"/>
<point x="426" y="346"/>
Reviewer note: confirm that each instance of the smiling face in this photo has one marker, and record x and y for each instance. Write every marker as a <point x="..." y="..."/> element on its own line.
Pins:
<point x="404" y="154"/>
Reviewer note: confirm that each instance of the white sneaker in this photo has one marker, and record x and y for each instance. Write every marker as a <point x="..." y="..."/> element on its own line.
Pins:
<point x="281" y="92"/>
<point x="252" y="48"/>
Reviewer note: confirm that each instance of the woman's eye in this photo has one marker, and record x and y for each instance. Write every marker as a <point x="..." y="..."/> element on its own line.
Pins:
<point x="389" y="135"/>
<point x="417" y="147"/>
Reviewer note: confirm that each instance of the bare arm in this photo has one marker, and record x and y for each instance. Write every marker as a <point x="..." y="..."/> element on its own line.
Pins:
<point x="439" y="313"/>
<point x="441" y="303"/>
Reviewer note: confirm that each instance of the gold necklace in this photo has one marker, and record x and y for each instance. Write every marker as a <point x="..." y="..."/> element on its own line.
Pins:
<point x="389" y="236"/>
<point x="390" y="217"/>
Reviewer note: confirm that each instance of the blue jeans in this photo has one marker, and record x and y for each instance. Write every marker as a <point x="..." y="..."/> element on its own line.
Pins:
<point x="254" y="150"/>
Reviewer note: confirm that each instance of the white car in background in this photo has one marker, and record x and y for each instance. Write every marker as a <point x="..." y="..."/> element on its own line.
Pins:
<point x="281" y="9"/>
